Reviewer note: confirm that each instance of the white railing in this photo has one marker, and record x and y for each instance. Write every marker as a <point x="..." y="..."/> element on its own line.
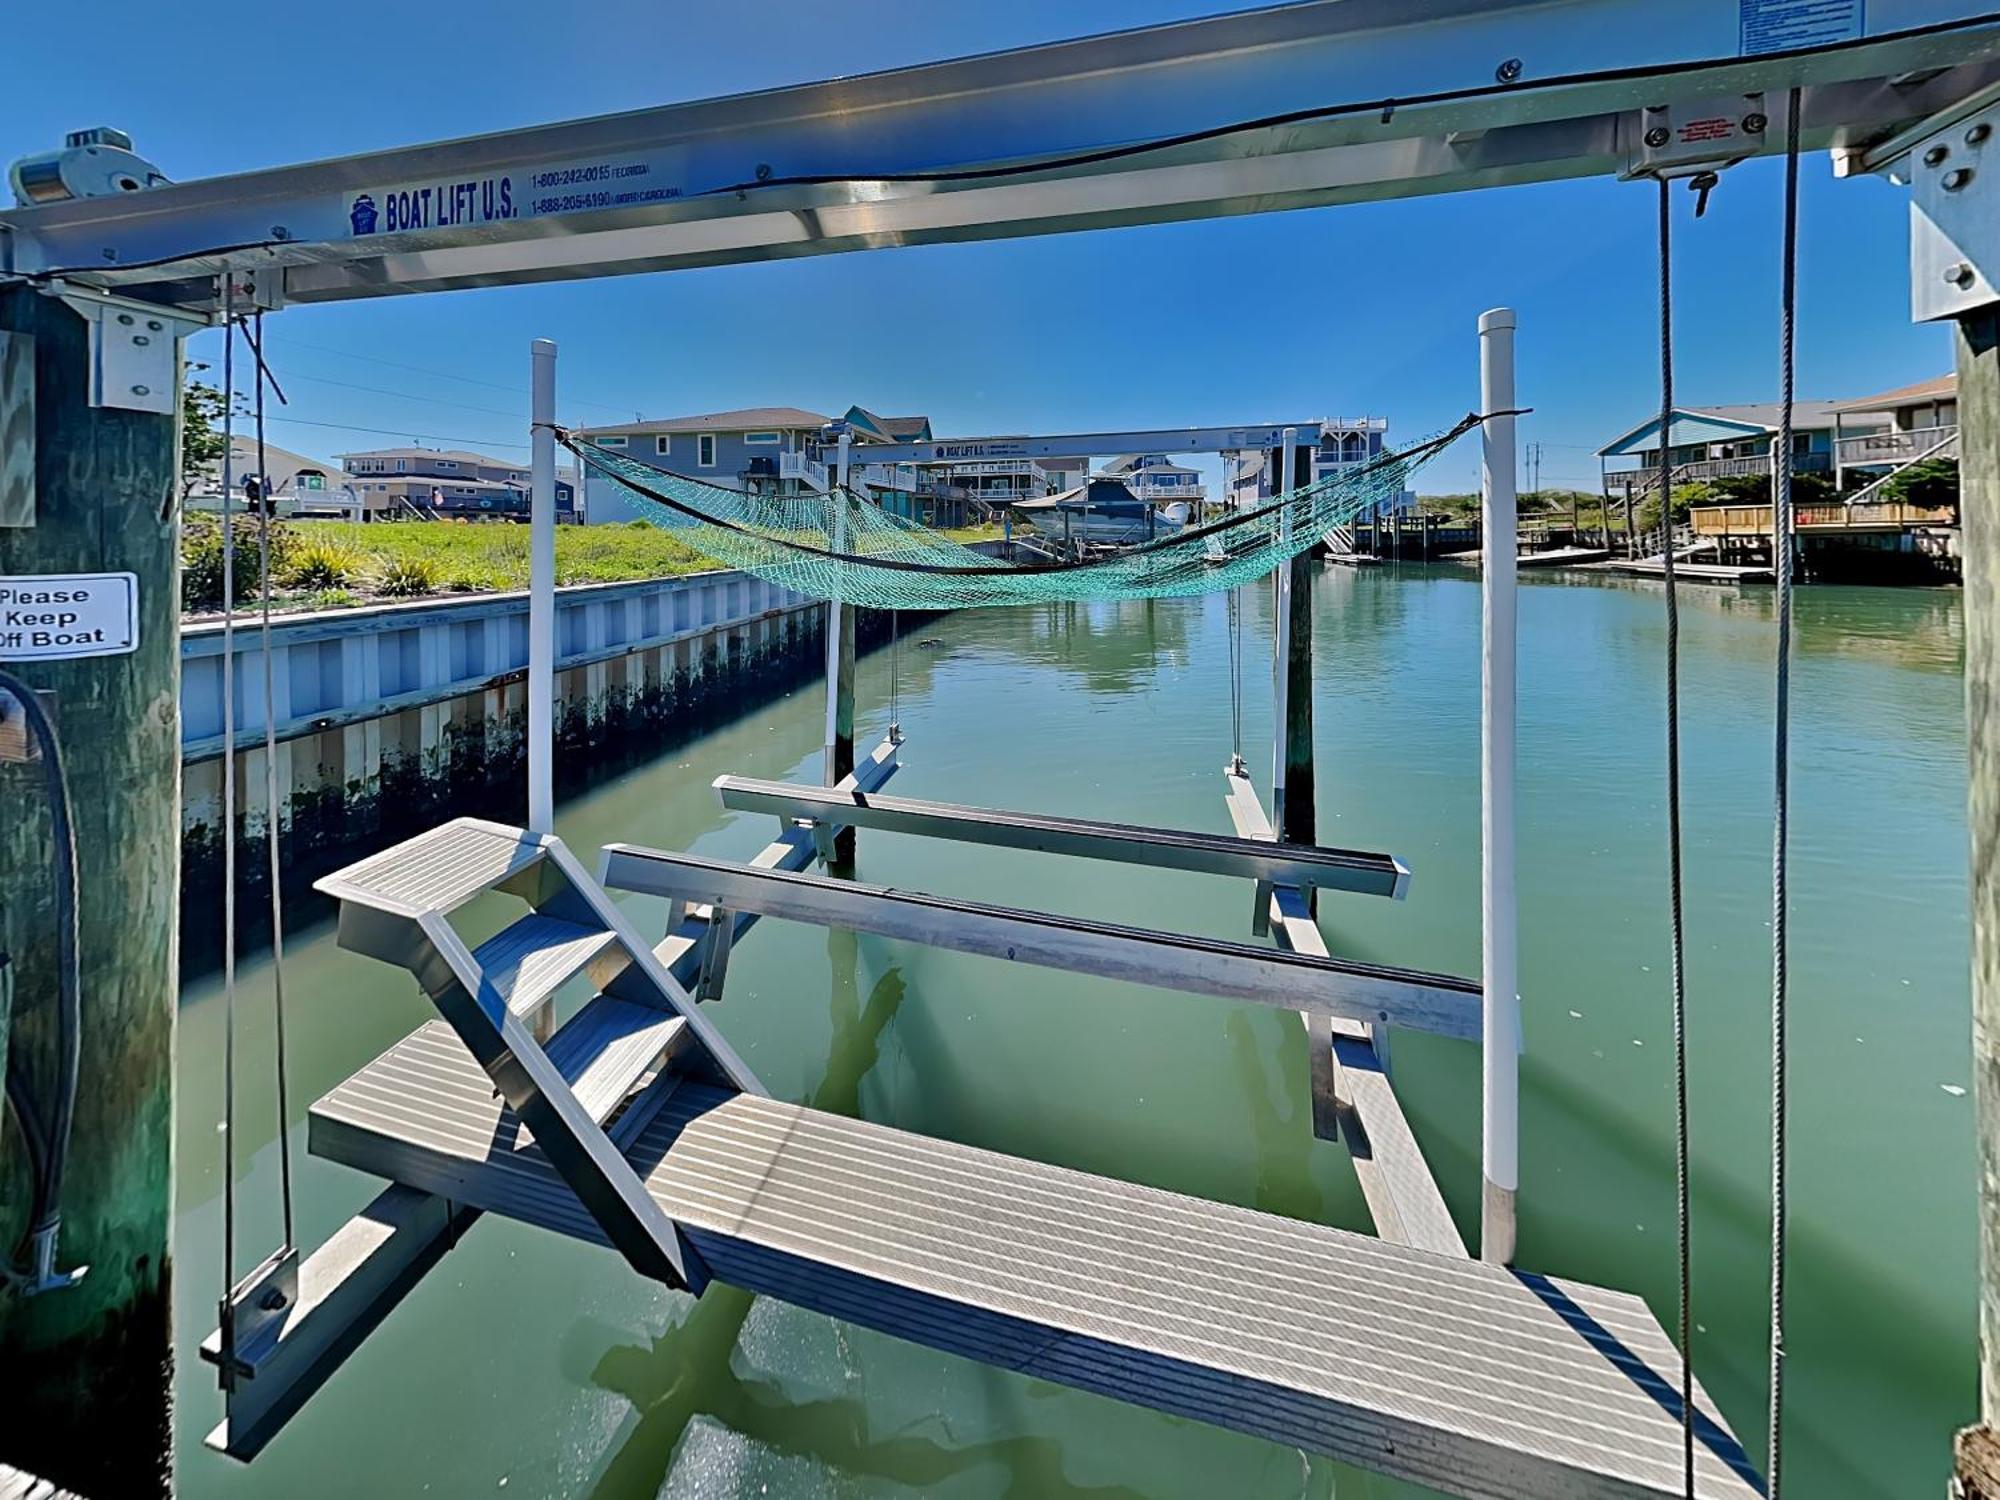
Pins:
<point x="1892" y="447"/>
<point x="1154" y="491"/>
<point x="803" y="468"/>
<point x="901" y="478"/>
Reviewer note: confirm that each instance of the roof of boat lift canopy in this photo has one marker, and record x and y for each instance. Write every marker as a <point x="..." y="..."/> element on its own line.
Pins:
<point x="1291" y="106"/>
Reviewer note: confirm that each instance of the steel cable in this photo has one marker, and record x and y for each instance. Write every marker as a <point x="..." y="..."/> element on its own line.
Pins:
<point x="1781" y="545"/>
<point x="1677" y="941"/>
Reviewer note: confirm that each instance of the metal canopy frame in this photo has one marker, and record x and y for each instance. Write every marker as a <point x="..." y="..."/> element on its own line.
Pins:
<point x="1295" y="106"/>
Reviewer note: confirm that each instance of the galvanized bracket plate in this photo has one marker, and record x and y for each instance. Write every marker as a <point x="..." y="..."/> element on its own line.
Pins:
<point x="1955" y="219"/>
<point x="135" y="347"/>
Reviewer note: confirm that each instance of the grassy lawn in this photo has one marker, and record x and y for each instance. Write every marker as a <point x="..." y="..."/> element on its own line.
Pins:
<point x="339" y="564"/>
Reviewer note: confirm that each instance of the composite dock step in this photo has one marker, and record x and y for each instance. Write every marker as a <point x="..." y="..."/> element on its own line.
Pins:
<point x="1471" y="1378"/>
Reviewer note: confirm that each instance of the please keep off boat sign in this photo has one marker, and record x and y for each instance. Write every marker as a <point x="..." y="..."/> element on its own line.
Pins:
<point x="55" y="616"/>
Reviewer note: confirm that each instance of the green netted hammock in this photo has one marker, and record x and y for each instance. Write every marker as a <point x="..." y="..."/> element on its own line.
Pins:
<point x="840" y="545"/>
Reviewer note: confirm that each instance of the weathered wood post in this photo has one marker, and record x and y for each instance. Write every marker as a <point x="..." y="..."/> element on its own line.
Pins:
<point x="1979" y="515"/>
<point x="85" y="1370"/>
<point x="840" y="670"/>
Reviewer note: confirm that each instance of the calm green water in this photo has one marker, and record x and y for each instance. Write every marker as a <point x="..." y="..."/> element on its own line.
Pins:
<point x="538" y="1367"/>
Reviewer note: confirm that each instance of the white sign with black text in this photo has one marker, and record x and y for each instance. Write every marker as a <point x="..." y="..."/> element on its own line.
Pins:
<point x="55" y="616"/>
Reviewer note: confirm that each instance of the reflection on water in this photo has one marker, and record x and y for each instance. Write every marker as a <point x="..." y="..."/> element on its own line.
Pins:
<point x="545" y="1364"/>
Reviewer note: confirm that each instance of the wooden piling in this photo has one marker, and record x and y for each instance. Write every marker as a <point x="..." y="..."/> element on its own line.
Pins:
<point x="1979" y="488"/>
<point x="85" y="1371"/>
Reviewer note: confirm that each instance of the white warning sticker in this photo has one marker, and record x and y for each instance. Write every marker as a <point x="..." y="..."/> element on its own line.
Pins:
<point x="1784" y="25"/>
<point x="54" y="616"/>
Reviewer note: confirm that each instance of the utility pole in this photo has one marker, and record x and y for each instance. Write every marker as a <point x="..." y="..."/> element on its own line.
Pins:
<point x="85" y="1368"/>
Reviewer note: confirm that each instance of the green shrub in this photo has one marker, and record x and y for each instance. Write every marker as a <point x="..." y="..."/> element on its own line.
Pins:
<point x="332" y="599"/>
<point x="201" y="560"/>
<point x="408" y="577"/>
<point x="319" y="565"/>
<point x="1934" y="481"/>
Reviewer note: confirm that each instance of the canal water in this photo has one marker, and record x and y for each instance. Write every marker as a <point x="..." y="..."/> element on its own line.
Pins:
<point x="528" y="1365"/>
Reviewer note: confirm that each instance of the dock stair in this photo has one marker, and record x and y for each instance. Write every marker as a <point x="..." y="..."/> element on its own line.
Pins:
<point x="635" y="1126"/>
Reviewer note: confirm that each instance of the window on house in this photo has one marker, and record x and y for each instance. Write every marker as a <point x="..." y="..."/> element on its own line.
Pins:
<point x="401" y="465"/>
<point x="663" y="444"/>
<point x="444" y="463"/>
<point x="764" y="438"/>
<point x="705" y="450"/>
<point x="616" y="441"/>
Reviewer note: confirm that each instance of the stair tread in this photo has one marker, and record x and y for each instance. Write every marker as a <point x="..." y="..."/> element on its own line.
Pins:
<point x="438" y="870"/>
<point x="528" y="961"/>
<point x="606" y="1048"/>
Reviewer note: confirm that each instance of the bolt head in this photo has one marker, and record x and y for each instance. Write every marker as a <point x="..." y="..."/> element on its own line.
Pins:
<point x="1958" y="274"/>
<point x="1658" y="136"/>
<point x="1979" y="134"/>
<point x="1755" y="122"/>
<point x="1936" y="156"/>
<point x="125" y="318"/>
<point x="1509" y="70"/>
<point x="1957" y="178"/>
<point x="142" y="390"/>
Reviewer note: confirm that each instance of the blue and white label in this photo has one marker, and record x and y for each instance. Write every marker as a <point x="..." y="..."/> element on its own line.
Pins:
<point x="1787" y="25"/>
<point x="498" y="198"/>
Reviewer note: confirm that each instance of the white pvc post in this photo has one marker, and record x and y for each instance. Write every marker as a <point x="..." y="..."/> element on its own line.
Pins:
<point x="833" y="617"/>
<point x="1501" y="1126"/>
<point x="542" y="592"/>
<point x="1281" y="640"/>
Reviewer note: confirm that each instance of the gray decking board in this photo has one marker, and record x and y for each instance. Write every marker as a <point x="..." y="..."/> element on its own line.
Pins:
<point x="1433" y="1368"/>
<point x="1125" y="843"/>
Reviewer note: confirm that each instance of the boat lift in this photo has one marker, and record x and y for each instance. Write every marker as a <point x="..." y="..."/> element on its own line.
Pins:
<point x="632" y="1123"/>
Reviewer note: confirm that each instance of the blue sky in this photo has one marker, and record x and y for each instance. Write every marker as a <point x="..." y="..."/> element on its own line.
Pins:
<point x="1356" y="310"/>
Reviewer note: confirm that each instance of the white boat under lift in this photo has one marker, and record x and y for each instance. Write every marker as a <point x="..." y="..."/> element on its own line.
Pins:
<point x="632" y="1123"/>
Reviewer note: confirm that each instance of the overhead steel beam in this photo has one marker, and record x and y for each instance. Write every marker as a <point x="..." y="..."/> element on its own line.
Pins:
<point x="1351" y="100"/>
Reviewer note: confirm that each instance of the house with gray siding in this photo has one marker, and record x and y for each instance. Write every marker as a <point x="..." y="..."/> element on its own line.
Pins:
<point x="760" y="448"/>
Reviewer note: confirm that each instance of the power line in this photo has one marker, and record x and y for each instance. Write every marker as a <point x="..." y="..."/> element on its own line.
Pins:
<point x="397" y="431"/>
<point x="397" y="364"/>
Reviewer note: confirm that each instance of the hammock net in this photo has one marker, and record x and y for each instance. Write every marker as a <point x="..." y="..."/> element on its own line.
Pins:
<point x="841" y="545"/>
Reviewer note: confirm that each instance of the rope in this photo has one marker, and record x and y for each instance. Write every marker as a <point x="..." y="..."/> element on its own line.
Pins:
<point x="1781" y="534"/>
<point x="1235" y="678"/>
<point x="895" y="675"/>
<point x="228" y="815"/>
<point x="1673" y="696"/>
<point x="271" y="830"/>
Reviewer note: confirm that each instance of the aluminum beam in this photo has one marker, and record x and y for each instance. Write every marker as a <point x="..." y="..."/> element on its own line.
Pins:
<point x="1441" y="1003"/>
<point x="1126" y="843"/>
<point x="1351" y="100"/>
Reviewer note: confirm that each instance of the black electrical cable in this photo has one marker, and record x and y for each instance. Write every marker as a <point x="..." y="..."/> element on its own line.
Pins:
<point x="48" y="1141"/>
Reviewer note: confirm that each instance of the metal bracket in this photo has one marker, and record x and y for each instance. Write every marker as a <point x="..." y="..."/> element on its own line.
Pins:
<point x="253" y="1312"/>
<point x="135" y="347"/>
<point x="1955" y="219"/>
<point x="1694" y="135"/>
